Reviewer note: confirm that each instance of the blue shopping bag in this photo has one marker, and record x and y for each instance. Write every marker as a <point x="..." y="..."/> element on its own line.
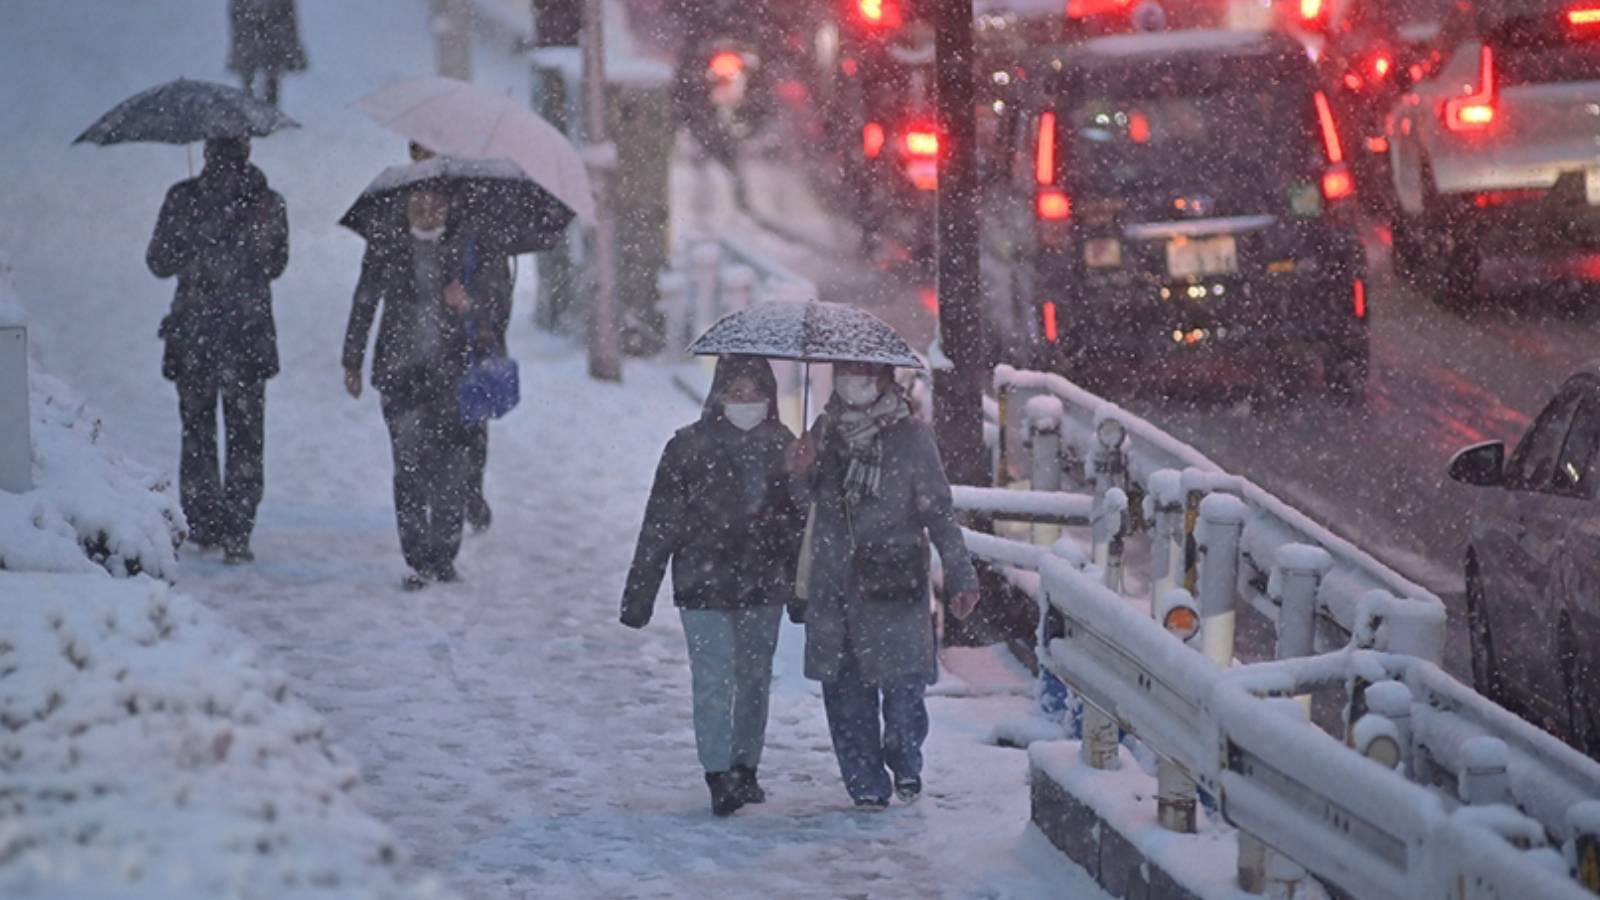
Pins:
<point x="491" y="388"/>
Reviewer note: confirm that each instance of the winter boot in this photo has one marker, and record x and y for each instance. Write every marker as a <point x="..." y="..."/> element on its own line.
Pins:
<point x="908" y="788"/>
<point x="479" y="516"/>
<point x="237" y="553"/>
<point x="413" y="582"/>
<point x="748" y="787"/>
<point x="725" y="799"/>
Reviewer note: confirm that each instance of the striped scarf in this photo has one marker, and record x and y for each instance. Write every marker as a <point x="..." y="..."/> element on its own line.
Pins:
<point x="859" y="428"/>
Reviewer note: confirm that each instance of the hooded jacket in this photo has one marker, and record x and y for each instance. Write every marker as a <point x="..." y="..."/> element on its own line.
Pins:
<point x="225" y="235"/>
<point x="720" y="511"/>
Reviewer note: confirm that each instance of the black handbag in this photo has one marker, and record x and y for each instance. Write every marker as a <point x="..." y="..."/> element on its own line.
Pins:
<point x="892" y="573"/>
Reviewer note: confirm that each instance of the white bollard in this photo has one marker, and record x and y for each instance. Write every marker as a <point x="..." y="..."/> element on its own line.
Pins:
<point x="1175" y="799"/>
<point x="1164" y="506"/>
<point x="1300" y="570"/>
<point x="16" y="441"/>
<point x="1221" y="528"/>
<point x="1392" y="701"/>
<point x="1110" y="528"/>
<point x="738" y="289"/>
<point x="673" y="289"/>
<point x="1483" y="778"/>
<point x="1044" y="456"/>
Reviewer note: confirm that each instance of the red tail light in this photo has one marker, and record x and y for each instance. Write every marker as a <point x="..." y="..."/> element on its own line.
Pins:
<point x="1054" y="205"/>
<point x="1360" y="299"/>
<point x="880" y="13"/>
<point x="1052" y="331"/>
<point x="1044" y="154"/>
<point x="1475" y="109"/>
<point x="1585" y="17"/>
<point x="1337" y="183"/>
<point x="922" y="143"/>
<point x="726" y="64"/>
<point x="872" y="139"/>
<point x="1381" y="65"/>
<point x="1311" y="11"/>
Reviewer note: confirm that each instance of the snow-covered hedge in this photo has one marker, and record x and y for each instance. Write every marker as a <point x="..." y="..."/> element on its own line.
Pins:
<point x="145" y="752"/>
<point x="91" y="507"/>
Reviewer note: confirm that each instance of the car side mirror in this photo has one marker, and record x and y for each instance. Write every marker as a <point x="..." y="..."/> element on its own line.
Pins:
<point x="1481" y="465"/>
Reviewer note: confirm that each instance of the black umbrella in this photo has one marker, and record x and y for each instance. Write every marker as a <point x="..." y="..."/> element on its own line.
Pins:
<point x="184" y="112"/>
<point x="493" y="197"/>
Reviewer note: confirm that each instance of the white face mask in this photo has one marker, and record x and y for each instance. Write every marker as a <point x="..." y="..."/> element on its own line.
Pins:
<point x="427" y="234"/>
<point x="859" y="391"/>
<point x="745" y="416"/>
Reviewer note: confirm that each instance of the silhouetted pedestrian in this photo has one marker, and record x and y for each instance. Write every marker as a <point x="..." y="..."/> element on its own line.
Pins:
<point x="266" y="44"/>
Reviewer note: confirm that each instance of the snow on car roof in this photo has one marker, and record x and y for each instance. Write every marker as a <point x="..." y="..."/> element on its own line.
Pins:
<point x="1165" y="43"/>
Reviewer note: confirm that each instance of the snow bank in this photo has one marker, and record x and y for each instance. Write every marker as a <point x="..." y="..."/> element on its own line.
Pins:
<point x="91" y="508"/>
<point x="148" y="754"/>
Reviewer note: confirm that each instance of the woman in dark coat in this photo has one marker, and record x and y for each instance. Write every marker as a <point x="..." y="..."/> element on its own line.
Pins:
<point x="878" y="486"/>
<point x="721" y="512"/>
<point x="266" y="42"/>
<point x="425" y="345"/>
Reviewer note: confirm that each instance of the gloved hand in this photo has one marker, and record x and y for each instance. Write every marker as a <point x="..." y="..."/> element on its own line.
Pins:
<point x="635" y="617"/>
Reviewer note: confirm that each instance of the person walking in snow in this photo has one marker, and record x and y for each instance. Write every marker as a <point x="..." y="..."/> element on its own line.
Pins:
<point x="873" y="474"/>
<point x="225" y="236"/>
<point x="423" y="350"/>
<point x="493" y="282"/>
<point x="266" y="43"/>
<point x="721" y="511"/>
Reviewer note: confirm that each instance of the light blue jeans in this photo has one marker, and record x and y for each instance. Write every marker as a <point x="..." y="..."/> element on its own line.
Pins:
<point x="730" y="661"/>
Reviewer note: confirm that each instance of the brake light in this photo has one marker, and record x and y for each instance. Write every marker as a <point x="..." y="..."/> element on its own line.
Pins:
<point x="1310" y="10"/>
<point x="1587" y="17"/>
<point x="879" y="13"/>
<point x="1337" y="184"/>
<point x="872" y="140"/>
<point x="1330" y="133"/>
<point x="1054" y="205"/>
<point x="1360" y="299"/>
<point x="1044" y="156"/>
<point x="922" y="143"/>
<point x="1381" y="66"/>
<point x="1052" y="331"/>
<point x="1475" y="109"/>
<point x="726" y="64"/>
<point x="1138" y="127"/>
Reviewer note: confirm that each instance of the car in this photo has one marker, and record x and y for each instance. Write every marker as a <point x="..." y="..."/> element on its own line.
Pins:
<point x="1496" y="150"/>
<point x="1533" y="565"/>
<point x="1192" y="202"/>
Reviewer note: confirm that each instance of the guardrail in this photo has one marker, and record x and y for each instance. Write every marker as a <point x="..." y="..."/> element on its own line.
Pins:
<point x="1430" y="791"/>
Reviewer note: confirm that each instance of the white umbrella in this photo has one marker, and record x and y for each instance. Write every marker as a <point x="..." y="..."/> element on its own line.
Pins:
<point x="461" y="119"/>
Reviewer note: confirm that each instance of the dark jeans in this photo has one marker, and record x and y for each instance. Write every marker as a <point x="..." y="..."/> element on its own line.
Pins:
<point x="269" y="84"/>
<point x="430" y="470"/>
<point x="220" y="500"/>
<point x="477" y="461"/>
<point x="863" y="742"/>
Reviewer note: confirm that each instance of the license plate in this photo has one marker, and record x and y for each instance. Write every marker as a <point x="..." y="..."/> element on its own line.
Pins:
<point x="1102" y="253"/>
<point x="1591" y="186"/>
<point x="1190" y="258"/>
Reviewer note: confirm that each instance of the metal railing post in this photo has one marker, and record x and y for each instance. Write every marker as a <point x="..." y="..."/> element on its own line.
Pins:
<point x="1482" y="779"/>
<point x="1044" y="474"/>
<point x="1583" y="850"/>
<point x="1392" y="701"/>
<point x="1101" y="736"/>
<point x="1300" y="570"/>
<point x="1217" y="542"/>
<point x="16" y="441"/>
<point x="1166" y="500"/>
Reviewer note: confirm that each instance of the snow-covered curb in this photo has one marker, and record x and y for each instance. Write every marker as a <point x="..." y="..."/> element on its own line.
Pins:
<point x="91" y="508"/>
<point x="146" y="753"/>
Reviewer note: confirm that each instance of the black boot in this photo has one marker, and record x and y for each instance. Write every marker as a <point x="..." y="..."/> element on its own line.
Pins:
<point x="725" y="799"/>
<point x="748" y="788"/>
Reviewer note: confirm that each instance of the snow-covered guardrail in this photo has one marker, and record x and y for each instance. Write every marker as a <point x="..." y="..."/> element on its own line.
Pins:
<point x="1430" y="791"/>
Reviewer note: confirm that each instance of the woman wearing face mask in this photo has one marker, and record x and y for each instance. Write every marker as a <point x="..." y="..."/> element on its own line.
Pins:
<point x="721" y="512"/>
<point x="874" y="476"/>
<point x="422" y="352"/>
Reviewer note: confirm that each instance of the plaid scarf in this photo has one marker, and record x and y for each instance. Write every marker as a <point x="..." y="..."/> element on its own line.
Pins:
<point x="860" y="428"/>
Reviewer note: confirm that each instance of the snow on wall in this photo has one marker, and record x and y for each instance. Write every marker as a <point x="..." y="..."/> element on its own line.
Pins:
<point x="147" y="753"/>
<point x="91" y="508"/>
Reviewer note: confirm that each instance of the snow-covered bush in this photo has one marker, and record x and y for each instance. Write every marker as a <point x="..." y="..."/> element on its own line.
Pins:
<point x="146" y="753"/>
<point x="91" y="507"/>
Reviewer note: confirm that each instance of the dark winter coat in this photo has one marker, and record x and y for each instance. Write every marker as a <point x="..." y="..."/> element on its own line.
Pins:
<point x="890" y="636"/>
<point x="225" y="235"/>
<point x="388" y="279"/>
<point x="266" y="37"/>
<point x="721" y="511"/>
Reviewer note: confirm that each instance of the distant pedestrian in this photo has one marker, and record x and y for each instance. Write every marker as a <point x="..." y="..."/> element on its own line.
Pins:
<point x="878" y="486"/>
<point x="494" y="279"/>
<point x="721" y="512"/>
<point x="225" y="236"/>
<point x="423" y="350"/>
<point x="266" y="44"/>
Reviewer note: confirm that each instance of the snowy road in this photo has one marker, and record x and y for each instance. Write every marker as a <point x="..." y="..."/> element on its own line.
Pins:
<point x="521" y="743"/>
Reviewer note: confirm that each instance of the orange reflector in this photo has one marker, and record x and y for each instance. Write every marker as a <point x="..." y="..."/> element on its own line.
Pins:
<point x="1337" y="183"/>
<point x="1182" y="622"/>
<point x="1054" y="205"/>
<point x="1361" y="299"/>
<point x="1051" y="332"/>
<point x="726" y="64"/>
<point x="872" y="139"/>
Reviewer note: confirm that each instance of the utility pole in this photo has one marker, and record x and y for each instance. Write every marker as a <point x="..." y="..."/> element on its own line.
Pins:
<point x="958" y="391"/>
<point x="605" y="337"/>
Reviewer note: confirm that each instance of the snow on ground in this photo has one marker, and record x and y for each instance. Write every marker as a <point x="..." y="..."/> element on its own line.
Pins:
<point x="520" y="742"/>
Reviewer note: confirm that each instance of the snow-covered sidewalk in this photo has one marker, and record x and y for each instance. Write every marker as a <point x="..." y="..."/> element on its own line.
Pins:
<point x="519" y="740"/>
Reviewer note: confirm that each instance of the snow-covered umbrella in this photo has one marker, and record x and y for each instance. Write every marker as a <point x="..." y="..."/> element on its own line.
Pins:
<point x="809" y="331"/>
<point x="184" y="112"/>
<point x="461" y="119"/>
<point x="493" y="196"/>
